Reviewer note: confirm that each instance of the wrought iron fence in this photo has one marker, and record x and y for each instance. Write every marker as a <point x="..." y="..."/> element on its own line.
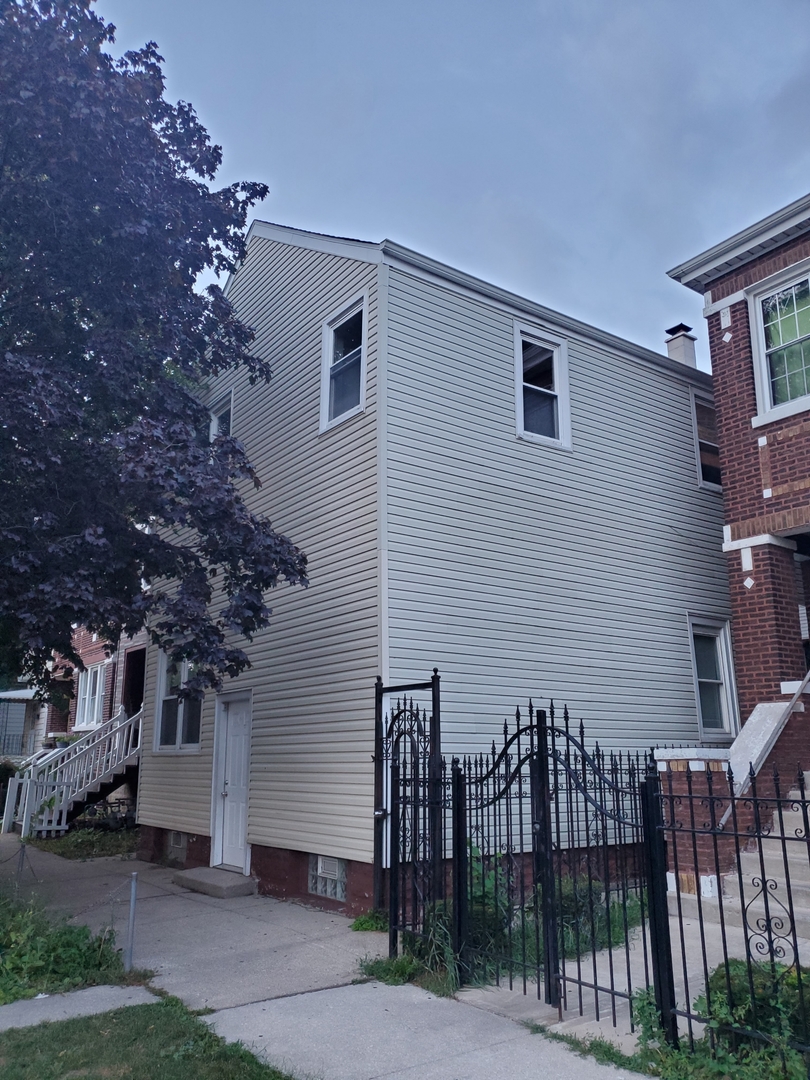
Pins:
<point x="738" y="876"/>
<point x="584" y="876"/>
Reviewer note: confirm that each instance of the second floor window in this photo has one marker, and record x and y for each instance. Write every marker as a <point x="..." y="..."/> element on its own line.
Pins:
<point x="708" y="450"/>
<point x="90" y="699"/>
<point x="786" y="322"/>
<point x="344" y="370"/>
<point x="541" y="373"/>
<point x="178" y="720"/>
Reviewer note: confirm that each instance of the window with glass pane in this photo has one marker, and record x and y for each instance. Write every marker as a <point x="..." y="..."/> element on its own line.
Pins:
<point x="710" y="681"/>
<point x="708" y="449"/>
<point x="786" y="319"/>
<point x="90" y="703"/>
<point x="345" y="368"/>
<point x="221" y="418"/>
<point x="539" y="391"/>
<point x="179" y="717"/>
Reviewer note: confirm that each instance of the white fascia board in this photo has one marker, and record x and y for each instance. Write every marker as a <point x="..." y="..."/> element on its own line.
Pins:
<point x="743" y="246"/>
<point x="518" y="306"/>
<point x="758" y="541"/>
<point x="362" y="250"/>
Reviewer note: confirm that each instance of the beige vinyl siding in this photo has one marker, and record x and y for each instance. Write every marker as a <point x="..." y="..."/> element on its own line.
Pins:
<point x="174" y="790"/>
<point x="521" y="569"/>
<point x="314" y="668"/>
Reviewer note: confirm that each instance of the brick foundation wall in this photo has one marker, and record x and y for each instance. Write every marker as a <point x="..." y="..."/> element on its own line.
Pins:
<point x="280" y="872"/>
<point x="285" y="874"/>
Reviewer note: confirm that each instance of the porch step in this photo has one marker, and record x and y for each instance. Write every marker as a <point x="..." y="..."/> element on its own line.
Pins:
<point x="215" y="882"/>
<point x="737" y="914"/>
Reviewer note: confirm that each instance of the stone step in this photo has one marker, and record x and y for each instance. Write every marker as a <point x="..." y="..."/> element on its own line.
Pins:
<point x="799" y="889"/>
<point x="213" y="881"/>
<point x="734" y="914"/>
<point x="772" y="860"/>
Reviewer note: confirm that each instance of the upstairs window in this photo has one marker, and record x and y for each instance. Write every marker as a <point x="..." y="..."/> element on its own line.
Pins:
<point x="221" y="418"/>
<point x="786" y="323"/>
<point x="90" y="698"/>
<point x="542" y="391"/>
<point x="343" y="389"/>
<point x="178" y="720"/>
<point x="708" y="451"/>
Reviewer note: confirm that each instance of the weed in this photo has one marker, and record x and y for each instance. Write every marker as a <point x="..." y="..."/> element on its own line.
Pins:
<point x="90" y="843"/>
<point x="38" y="956"/>
<point x="395" y="971"/>
<point x="371" y="920"/>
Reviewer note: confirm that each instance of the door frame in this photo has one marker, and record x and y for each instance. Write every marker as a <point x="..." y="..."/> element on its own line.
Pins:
<point x="218" y="777"/>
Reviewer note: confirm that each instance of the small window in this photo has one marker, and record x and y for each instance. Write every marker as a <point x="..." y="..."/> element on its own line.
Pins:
<point x="90" y="699"/>
<point x="178" y="719"/>
<point x="786" y="323"/>
<point x="221" y="418"/>
<point x="542" y="404"/>
<point x="343" y="388"/>
<point x="711" y="655"/>
<point x="707" y="445"/>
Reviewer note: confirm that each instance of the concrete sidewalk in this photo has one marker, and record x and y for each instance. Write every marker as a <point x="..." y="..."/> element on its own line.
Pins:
<point x="280" y="978"/>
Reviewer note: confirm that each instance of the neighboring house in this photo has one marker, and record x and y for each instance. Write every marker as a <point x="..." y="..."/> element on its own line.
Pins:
<point x="22" y="720"/>
<point x="756" y="287"/>
<point x="481" y="484"/>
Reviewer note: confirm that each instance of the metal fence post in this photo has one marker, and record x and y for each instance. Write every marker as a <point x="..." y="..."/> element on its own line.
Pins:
<point x="543" y="858"/>
<point x="460" y="883"/>
<point x="379" y="808"/>
<point x="133" y="896"/>
<point x="655" y="858"/>
<point x="393" y="862"/>
<point x="436" y="797"/>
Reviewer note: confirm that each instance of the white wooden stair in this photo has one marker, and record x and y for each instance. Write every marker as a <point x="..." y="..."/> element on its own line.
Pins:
<point x="51" y="787"/>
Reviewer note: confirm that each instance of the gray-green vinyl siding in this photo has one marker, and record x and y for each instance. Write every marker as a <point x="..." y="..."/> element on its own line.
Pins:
<point x="313" y="669"/>
<point x="521" y="569"/>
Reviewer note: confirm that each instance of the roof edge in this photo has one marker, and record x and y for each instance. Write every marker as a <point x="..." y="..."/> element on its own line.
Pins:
<point x="696" y="273"/>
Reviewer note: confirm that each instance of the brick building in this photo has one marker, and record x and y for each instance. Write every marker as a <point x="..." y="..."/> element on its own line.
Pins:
<point x="756" y="288"/>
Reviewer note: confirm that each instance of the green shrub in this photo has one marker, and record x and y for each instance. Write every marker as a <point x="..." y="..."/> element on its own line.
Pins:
<point x="761" y="996"/>
<point x="38" y="956"/>
<point x="371" y="920"/>
<point x="395" y="971"/>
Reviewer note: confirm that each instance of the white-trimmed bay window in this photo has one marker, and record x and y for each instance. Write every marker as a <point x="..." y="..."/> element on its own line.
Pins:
<point x="714" y="679"/>
<point x="343" y="371"/>
<point x="541" y="387"/>
<point x="780" y="319"/>
<point x="177" y="720"/>
<point x="90" y="696"/>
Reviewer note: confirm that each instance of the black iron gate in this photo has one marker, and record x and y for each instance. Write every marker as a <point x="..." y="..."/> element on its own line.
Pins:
<point x="530" y="858"/>
<point x="584" y="876"/>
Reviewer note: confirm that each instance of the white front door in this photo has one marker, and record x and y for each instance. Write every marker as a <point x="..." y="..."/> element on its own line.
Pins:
<point x="231" y="778"/>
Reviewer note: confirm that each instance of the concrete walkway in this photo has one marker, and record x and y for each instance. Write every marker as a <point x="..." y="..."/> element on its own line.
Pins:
<point x="282" y="978"/>
<point x="89" y="1002"/>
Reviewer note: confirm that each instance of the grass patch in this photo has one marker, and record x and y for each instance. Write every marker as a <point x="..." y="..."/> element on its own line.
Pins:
<point x="371" y="920"/>
<point x="39" y="956"/>
<point x="144" y="1042"/>
<point x="90" y="843"/>
<point x="719" y="1055"/>
<point x="407" y="968"/>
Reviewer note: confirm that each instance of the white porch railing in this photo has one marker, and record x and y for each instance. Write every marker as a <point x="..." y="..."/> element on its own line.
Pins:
<point x="45" y="788"/>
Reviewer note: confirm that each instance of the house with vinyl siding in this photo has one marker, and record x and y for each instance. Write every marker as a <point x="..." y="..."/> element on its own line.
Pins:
<point x="482" y="485"/>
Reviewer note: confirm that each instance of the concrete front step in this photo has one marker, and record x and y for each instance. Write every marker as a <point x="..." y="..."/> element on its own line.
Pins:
<point x="772" y="861"/>
<point x="215" y="882"/>
<point x="735" y="915"/>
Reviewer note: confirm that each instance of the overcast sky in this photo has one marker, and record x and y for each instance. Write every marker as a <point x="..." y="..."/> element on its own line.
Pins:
<point x="570" y="150"/>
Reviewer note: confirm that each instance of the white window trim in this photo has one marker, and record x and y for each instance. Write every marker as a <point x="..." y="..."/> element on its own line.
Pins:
<point x="84" y="724"/>
<point x="721" y="628"/>
<point x="559" y="348"/>
<point x="704" y="399"/>
<point x="766" y="412"/>
<point x="178" y="748"/>
<point x="224" y="401"/>
<point x="359" y="302"/>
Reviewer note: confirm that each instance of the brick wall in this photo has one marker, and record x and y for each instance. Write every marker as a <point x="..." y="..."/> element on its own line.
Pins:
<point x="765" y="625"/>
